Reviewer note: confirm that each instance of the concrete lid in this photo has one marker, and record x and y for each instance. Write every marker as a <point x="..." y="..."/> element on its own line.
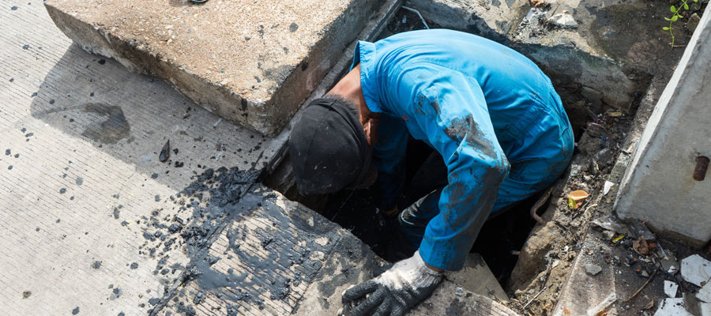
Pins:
<point x="247" y="48"/>
<point x="252" y="62"/>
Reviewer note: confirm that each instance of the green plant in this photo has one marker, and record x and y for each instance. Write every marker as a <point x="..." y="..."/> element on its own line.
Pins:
<point x="676" y="15"/>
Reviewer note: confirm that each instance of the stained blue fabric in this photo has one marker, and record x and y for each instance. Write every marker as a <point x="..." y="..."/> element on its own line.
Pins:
<point x="491" y="113"/>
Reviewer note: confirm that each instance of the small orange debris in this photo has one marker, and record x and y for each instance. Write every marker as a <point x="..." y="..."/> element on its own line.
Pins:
<point x="576" y="198"/>
<point x="641" y="246"/>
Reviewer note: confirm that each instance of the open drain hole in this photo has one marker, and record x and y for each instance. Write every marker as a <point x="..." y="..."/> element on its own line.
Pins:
<point x="498" y="242"/>
<point x="599" y="131"/>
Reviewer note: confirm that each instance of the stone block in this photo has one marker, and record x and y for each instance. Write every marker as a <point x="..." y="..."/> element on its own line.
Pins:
<point x="477" y="278"/>
<point x="250" y="62"/>
<point x="665" y="185"/>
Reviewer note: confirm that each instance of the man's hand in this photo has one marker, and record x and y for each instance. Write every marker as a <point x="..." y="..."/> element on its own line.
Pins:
<point x="395" y="291"/>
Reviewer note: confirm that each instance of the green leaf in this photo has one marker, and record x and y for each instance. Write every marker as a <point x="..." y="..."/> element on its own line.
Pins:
<point x="666" y="28"/>
<point x="695" y="1"/>
<point x="675" y="18"/>
<point x="673" y="9"/>
<point x="667" y="19"/>
<point x="686" y="7"/>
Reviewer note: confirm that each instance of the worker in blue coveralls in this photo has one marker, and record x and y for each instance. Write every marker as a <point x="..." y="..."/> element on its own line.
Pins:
<point x="492" y="116"/>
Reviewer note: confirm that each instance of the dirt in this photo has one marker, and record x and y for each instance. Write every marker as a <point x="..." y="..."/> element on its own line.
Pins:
<point x="559" y="239"/>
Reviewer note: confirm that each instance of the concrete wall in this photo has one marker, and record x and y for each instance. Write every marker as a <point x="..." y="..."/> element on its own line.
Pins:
<point x="659" y="186"/>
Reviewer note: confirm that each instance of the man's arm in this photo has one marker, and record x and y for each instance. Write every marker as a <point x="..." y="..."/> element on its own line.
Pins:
<point x="455" y="120"/>
<point x="452" y="116"/>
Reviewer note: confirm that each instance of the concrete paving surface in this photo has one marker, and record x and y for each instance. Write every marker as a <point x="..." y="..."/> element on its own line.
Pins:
<point x="121" y="196"/>
<point x="81" y="175"/>
<point x="251" y="62"/>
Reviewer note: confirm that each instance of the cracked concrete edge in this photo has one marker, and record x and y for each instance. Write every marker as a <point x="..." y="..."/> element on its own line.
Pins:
<point x="583" y="292"/>
<point x="449" y="299"/>
<point x="323" y="297"/>
<point x="489" y="20"/>
<point x="476" y="277"/>
<point x="267" y="117"/>
<point x="371" y="31"/>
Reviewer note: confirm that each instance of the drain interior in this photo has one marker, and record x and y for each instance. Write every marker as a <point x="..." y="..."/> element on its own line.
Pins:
<point x="502" y="236"/>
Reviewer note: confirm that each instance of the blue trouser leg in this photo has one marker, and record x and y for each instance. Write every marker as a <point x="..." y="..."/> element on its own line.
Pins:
<point x="413" y="220"/>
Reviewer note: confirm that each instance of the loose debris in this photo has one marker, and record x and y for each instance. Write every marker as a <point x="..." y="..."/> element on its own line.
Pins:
<point x="696" y="270"/>
<point x="607" y="186"/>
<point x="576" y="198"/>
<point x="670" y="288"/>
<point x="592" y="269"/>
<point x="641" y="287"/>
<point x="641" y="246"/>
<point x="600" y="309"/>
<point x="563" y="20"/>
<point x="164" y="152"/>
<point x="672" y="307"/>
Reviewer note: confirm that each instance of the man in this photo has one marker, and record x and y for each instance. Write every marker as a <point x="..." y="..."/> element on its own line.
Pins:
<point x="492" y="116"/>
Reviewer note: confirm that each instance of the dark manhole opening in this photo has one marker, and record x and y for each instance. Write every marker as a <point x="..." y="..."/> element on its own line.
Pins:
<point x="504" y="234"/>
<point x="498" y="242"/>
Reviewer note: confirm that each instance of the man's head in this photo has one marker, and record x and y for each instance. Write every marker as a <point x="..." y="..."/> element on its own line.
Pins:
<point x="328" y="147"/>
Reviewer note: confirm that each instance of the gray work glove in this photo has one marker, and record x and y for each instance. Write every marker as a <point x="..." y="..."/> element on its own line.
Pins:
<point x="395" y="291"/>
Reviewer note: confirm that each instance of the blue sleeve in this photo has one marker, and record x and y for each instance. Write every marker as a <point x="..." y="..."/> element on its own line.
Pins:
<point x="451" y="114"/>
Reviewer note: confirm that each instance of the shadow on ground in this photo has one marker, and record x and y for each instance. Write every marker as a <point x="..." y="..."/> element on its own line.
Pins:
<point x="131" y="116"/>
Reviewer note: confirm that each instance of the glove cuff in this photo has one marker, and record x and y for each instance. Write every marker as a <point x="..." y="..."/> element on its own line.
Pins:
<point x="421" y="262"/>
<point x="427" y="277"/>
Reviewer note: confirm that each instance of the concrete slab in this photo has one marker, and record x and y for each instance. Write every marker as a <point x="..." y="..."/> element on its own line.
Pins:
<point x="667" y="171"/>
<point x="351" y="262"/>
<point x="476" y="277"/>
<point x="277" y="257"/>
<point x="267" y="258"/>
<point x="583" y="292"/>
<point x="82" y="183"/>
<point x="249" y="62"/>
<point x="450" y="299"/>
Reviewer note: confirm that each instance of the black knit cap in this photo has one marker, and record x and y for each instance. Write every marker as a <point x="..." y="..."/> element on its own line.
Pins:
<point x="328" y="148"/>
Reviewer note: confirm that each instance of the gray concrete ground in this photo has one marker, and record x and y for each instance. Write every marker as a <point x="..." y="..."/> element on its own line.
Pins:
<point x="82" y="172"/>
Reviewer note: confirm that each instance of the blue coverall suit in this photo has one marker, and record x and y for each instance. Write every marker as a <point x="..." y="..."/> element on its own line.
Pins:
<point x="492" y="115"/>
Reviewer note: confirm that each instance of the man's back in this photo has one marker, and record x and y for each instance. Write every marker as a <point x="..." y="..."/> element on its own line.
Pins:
<point x="518" y="95"/>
